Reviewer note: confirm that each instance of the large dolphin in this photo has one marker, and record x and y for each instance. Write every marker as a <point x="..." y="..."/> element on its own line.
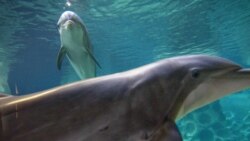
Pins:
<point x="76" y="45"/>
<point x="137" y="105"/>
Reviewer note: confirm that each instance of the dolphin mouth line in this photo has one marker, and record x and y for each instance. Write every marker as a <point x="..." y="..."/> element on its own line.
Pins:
<point x="224" y="72"/>
<point x="69" y="23"/>
<point x="240" y="73"/>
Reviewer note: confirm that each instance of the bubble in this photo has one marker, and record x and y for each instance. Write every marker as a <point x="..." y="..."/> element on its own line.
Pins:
<point x="68" y="3"/>
<point x="229" y="115"/>
<point x="191" y="128"/>
<point x="206" y="135"/>
<point x="205" y="119"/>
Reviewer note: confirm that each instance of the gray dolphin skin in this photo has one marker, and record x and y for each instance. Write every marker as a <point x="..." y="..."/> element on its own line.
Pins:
<point x="137" y="105"/>
<point x="75" y="44"/>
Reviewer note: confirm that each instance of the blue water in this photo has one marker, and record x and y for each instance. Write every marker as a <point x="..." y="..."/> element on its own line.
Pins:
<point x="126" y="34"/>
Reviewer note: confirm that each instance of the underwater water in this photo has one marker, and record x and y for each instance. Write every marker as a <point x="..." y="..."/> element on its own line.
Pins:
<point x="126" y="34"/>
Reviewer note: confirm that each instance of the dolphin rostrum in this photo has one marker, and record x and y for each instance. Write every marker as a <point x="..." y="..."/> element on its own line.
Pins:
<point x="137" y="105"/>
<point x="76" y="45"/>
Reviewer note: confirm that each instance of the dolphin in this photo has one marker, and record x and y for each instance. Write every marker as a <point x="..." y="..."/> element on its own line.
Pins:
<point x="76" y="45"/>
<point x="136" y="105"/>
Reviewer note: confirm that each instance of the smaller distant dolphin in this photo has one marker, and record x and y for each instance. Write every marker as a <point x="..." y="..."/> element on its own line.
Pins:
<point x="76" y="45"/>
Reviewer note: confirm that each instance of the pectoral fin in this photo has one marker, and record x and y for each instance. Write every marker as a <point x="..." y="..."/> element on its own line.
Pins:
<point x="60" y="57"/>
<point x="168" y="132"/>
<point x="88" y="44"/>
<point x="172" y="132"/>
<point x="93" y="58"/>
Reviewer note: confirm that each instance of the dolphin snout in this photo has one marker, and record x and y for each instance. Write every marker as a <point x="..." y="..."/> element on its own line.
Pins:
<point x="225" y="70"/>
<point x="68" y="24"/>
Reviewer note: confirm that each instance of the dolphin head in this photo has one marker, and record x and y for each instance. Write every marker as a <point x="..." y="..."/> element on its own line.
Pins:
<point x="70" y="25"/>
<point x="205" y="79"/>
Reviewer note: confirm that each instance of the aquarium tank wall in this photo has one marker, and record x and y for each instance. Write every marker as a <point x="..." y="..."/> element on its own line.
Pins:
<point x="126" y="34"/>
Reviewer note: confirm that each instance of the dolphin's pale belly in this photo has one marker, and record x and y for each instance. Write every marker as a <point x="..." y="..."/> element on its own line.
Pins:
<point x="81" y="62"/>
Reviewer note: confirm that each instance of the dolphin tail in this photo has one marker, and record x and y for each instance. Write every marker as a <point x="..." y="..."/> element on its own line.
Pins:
<point x="60" y="57"/>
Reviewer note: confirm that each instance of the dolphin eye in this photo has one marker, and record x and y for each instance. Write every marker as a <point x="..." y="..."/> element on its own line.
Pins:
<point x="195" y="73"/>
